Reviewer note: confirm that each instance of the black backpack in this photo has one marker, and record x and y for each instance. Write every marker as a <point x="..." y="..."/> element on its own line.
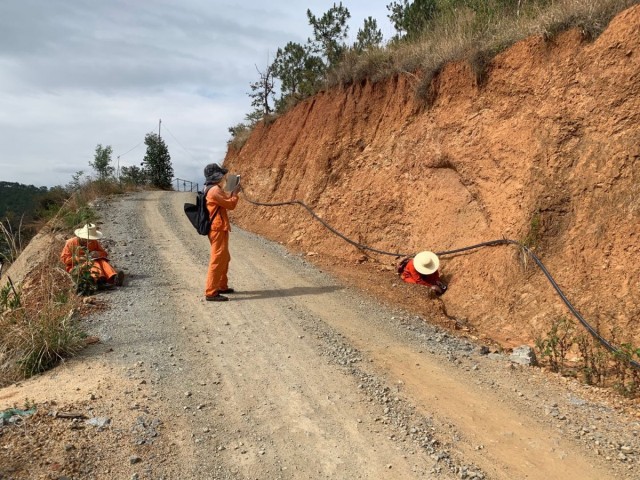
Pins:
<point x="198" y="214"/>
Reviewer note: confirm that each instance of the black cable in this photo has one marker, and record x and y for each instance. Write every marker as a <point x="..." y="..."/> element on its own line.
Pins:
<point x="492" y="243"/>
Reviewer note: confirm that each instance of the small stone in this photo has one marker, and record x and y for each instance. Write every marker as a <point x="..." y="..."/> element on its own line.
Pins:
<point x="134" y="459"/>
<point x="187" y="394"/>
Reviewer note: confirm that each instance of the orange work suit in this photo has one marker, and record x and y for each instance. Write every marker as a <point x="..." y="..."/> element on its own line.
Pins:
<point x="73" y="254"/>
<point x="411" y="275"/>
<point x="220" y="201"/>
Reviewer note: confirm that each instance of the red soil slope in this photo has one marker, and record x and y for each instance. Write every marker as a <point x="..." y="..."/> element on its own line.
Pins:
<point x="551" y="137"/>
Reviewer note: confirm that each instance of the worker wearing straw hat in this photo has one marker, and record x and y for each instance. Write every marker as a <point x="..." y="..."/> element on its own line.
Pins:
<point x="85" y="248"/>
<point x="423" y="270"/>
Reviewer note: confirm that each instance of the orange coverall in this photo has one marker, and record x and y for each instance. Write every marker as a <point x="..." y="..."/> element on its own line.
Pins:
<point x="411" y="275"/>
<point x="73" y="254"/>
<point x="219" y="238"/>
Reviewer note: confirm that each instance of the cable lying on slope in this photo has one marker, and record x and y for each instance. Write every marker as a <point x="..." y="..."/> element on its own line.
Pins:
<point x="504" y="241"/>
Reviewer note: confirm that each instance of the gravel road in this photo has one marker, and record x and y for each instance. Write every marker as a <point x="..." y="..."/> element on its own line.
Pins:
<point x="300" y="377"/>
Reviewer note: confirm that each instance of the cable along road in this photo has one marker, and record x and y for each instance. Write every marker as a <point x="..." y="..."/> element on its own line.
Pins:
<point x="300" y="377"/>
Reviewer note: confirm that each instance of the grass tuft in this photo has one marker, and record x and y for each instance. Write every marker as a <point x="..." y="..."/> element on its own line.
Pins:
<point x="461" y="34"/>
<point x="40" y="324"/>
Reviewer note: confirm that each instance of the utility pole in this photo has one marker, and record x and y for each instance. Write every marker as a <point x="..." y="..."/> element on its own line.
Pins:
<point x="159" y="125"/>
<point x="118" y="169"/>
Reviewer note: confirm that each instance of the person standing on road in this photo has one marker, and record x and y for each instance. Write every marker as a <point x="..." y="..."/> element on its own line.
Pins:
<point x="218" y="202"/>
<point x="423" y="270"/>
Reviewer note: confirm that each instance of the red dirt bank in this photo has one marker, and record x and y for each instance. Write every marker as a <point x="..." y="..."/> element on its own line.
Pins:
<point x="552" y="135"/>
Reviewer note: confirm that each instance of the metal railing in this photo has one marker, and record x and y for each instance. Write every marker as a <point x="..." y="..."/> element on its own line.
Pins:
<point x="193" y="187"/>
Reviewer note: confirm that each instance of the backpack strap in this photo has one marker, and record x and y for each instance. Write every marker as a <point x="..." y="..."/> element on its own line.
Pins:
<point x="209" y="187"/>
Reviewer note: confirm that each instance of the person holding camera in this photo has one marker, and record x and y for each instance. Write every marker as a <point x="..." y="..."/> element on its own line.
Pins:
<point x="218" y="202"/>
<point x="423" y="270"/>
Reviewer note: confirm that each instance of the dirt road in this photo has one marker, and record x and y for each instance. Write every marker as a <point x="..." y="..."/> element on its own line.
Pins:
<point x="300" y="377"/>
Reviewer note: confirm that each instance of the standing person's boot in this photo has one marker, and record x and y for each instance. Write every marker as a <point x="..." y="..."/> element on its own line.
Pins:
<point x="217" y="298"/>
<point x="119" y="278"/>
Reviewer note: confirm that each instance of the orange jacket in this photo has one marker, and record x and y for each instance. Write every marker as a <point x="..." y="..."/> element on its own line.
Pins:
<point x="218" y="198"/>
<point x="72" y="254"/>
<point x="411" y="275"/>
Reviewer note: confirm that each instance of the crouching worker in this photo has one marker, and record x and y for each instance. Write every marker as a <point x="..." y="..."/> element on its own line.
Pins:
<point x="423" y="270"/>
<point x="84" y="254"/>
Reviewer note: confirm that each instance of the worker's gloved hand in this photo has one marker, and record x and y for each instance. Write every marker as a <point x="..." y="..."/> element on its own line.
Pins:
<point x="440" y="288"/>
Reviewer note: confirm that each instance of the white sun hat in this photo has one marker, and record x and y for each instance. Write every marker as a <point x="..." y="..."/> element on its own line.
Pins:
<point x="426" y="262"/>
<point x="88" y="232"/>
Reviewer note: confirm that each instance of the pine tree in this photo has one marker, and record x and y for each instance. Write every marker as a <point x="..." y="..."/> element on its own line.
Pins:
<point x="157" y="162"/>
<point x="410" y="19"/>
<point x="330" y="32"/>
<point x="369" y="36"/>
<point x="298" y="70"/>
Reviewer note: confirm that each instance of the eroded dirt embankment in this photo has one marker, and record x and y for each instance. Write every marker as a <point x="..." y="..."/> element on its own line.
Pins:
<point x="548" y="144"/>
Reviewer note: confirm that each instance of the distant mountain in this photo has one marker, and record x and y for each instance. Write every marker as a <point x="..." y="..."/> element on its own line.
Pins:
<point x="17" y="199"/>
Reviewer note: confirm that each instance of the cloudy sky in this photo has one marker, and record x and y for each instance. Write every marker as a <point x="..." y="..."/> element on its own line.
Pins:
<point x="77" y="73"/>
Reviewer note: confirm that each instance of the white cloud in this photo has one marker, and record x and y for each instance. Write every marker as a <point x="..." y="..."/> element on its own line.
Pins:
<point x="75" y="73"/>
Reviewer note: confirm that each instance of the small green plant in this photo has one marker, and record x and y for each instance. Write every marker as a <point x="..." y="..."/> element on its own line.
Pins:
<point x="557" y="342"/>
<point x="534" y="235"/>
<point x="594" y="360"/>
<point x="84" y="281"/>
<point x="29" y="404"/>
<point x="53" y="338"/>
<point x="9" y="297"/>
<point x="626" y="378"/>
<point x="80" y="216"/>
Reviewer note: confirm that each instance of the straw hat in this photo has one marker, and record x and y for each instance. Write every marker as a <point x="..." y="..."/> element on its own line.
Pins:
<point x="426" y="262"/>
<point x="88" y="232"/>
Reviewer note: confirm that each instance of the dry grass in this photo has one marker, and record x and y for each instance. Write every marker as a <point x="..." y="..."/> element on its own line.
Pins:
<point x="39" y="326"/>
<point x="464" y="36"/>
<point x="12" y="238"/>
<point x="240" y="137"/>
<point x="39" y="319"/>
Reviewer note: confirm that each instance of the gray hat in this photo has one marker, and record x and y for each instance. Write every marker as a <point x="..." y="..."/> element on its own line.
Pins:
<point x="213" y="173"/>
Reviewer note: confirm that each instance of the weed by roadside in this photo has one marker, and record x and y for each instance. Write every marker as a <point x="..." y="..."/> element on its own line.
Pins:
<point x="40" y="322"/>
<point x="591" y="362"/>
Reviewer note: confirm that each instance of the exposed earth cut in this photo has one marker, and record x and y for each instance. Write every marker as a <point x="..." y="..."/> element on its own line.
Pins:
<point x="546" y="150"/>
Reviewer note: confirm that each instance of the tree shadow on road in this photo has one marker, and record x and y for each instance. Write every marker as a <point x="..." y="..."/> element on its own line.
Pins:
<point x="282" y="292"/>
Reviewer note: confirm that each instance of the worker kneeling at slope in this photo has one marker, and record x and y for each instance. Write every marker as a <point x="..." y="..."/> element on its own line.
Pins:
<point x="423" y="270"/>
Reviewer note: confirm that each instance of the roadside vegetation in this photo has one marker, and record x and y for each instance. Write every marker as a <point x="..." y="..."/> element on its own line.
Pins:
<point x="40" y="319"/>
<point x="429" y="34"/>
<point x="566" y="348"/>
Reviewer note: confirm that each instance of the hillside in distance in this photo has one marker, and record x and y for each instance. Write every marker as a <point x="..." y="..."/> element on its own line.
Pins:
<point x="546" y="151"/>
<point x="17" y="199"/>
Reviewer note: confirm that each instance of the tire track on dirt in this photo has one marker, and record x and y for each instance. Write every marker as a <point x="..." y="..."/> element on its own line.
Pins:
<point x="263" y="348"/>
<point x="279" y="409"/>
